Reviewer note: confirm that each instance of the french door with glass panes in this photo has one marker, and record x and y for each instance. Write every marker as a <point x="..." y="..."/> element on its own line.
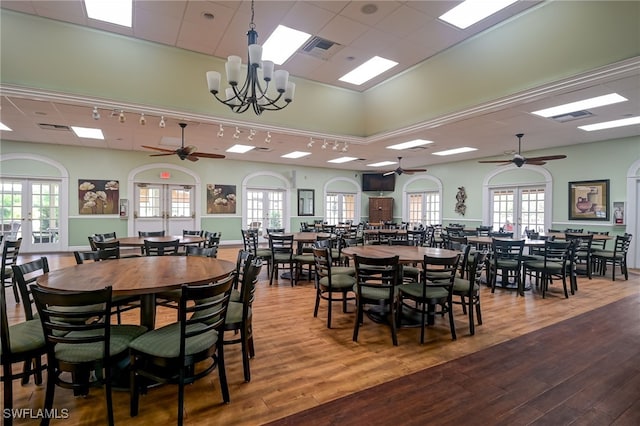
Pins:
<point x="424" y="208"/>
<point x="31" y="211"/>
<point x="265" y="209"/>
<point x="340" y="207"/>
<point x="160" y="207"/>
<point x="518" y="209"/>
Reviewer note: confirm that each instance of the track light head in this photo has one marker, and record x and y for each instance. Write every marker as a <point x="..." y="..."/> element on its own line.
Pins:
<point x="162" y="124"/>
<point x="143" y="120"/>
<point x="95" y="114"/>
<point x="121" y="117"/>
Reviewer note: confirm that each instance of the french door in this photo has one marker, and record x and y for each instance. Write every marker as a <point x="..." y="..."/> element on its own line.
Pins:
<point x="340" y="207"/>
<point x="424" y="208"/>
<point x="160" y="207"/>
<point x="31" y="211"/>
<point x="517" y="209"/>
<point x="265" y="208"/>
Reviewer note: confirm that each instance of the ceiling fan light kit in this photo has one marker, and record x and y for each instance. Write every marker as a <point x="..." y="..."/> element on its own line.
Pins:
<point x="519" y="160"/>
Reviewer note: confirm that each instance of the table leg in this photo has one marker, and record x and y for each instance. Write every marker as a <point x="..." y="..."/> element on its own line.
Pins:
<point x="148" y="310"/>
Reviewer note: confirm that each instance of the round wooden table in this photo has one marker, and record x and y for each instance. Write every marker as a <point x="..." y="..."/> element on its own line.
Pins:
<point x="408" y="254"/>
<point x="139" y="241"/>
<point x="144" y="276"/>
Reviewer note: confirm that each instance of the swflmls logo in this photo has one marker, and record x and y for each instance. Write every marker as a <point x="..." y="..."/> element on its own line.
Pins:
<point x="30" y="413"/>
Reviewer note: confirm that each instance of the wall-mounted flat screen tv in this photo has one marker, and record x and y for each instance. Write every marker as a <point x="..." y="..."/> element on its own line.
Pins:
<point x="378" y="182"/>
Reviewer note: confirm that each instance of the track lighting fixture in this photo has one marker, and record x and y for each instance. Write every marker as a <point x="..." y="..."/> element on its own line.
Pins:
<point x="162" y="123"/>
<point x="121" y="117"/>
<point x="221" y="131"/>
<point x="310" y="144"/>
<point x="344" y="148"/>
<point x="236" y="135"/>
<point x="252" y="133"/>
<point x="96" y="113"/>
<point x="267" y="139"/>
<point x="335" y="145"/>
<point x="143" y="120"/>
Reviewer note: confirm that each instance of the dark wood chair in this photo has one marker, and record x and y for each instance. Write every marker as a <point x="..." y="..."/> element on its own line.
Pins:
<point x="469" y="290"/>
<point x="506" y="263"/>
<point x="250" y="241"/>
<point x="150" y="233"/>
<point x="161" y="248"/>
<point x="76" y="347"/>
<point x="615" y="257"/>
<point x="240" y="315"/>
<point x="329" y="283"/>
<point x="582" y="259"/>
<point x="553" y="265"/>
<point x="25" y="275"/>
<point x="377" y="283"/>
<point x="282" y="254"/>
<point x="20" y="343"/>
<point x="201" y="251"/>
<point x="187" y="350"/>
<point x="10" y="252"/>
<point x="435" y="289"/>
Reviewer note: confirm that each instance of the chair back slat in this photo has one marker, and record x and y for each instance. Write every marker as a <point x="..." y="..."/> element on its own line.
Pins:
<point x="161" y="248"/>
<point x="25" y="275"/>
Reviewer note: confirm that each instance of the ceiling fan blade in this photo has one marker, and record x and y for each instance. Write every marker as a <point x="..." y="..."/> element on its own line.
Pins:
<point x="546" y="158"/>
<point x="496" y="161"/>
<point x="192" y="157"/>
<point x="206" y="155"/>
<point x="188" y="150"/>
<point x="409" y="171"/>
<point x="162" y="155"/>
<point x="535" y="162"/>
<point x="159" y="149"/>
<point x="388" y="173"/>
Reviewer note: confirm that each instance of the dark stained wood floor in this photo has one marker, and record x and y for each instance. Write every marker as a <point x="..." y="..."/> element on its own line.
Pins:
<point x="584" y="370"/>
<point x="533" y="360"/>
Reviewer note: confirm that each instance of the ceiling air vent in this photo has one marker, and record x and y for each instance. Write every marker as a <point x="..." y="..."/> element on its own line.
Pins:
<point x="45" y="126"/>
<point x="576" y="115"/>
<point x="320" y="48"/>
<point x="263" y="149"/>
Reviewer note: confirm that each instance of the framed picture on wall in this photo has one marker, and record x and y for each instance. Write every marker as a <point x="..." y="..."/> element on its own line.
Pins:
<point x="618" y="213"/>
<point x="589" y="200"/>
<point x="221" y="199"/>
<point x="98" y="196"/>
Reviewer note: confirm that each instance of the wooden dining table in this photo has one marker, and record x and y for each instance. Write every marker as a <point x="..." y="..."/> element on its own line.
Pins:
<point x="139" y="276"/>
<point x="407" y="254"/>
<point x="183" y="240"/>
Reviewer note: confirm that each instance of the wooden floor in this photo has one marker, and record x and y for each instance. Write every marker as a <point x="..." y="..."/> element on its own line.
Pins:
<point x="300" y="364"/>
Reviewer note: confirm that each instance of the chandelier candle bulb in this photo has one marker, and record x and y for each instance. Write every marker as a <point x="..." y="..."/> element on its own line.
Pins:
<point x="255" y="55"/>
<point x="267" y="70"/>
<point x="213" y="81"/>
<point x="281" y="79"/>
<point x="233" y="69"/>
<point x="291" y="90"/>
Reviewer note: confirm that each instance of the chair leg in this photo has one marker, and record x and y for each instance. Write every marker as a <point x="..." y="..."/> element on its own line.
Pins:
<point x="8" y="390"/>
<point x="315" y="309"/>
<point x="244" y="333"/>
<point x="329" y="303"/>
<point x="222" y="372"/>
<point x="134" y="389"/>
<point x="472" y="325"/>
<point x="359" y="317"/>
<point x="181" y="396"/>
<point x="51" y="385"/>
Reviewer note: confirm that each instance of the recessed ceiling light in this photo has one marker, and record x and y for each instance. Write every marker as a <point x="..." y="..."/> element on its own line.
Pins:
<point x="410" y="144"/>
<point x="117" y="12"/>
<point x="611" y="98"/>
<point x="469" y="12"/>
<point x="365" y="72"/>
<point x="240" y="149"/>
<point x="611" y="124"/>
<point x="87" y="132"/>
<point x="342" y="160"/>
<point x="296" y="154"/>
<point x="455" y="151"/>
<point x="382" y="164"/>
<point x="283" y="43"/>
<point x="5" y="127"/>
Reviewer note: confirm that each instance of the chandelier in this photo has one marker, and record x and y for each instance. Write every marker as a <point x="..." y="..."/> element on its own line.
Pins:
<point x="252" y="94"/>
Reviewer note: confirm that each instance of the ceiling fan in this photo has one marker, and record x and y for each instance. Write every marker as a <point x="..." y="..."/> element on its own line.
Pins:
<point x="400" y="170"/>
<point x="184" y="152"/>
<point x="519" y="160"/>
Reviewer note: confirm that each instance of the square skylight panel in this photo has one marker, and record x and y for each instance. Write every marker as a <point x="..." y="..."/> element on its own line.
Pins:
<point x="240" y="149"/>
<point x="611" y="124"/>
<point x="382" y="164"/>
<point x="409" y="144"/>
<point x="365" y="72"/>
<point x="469" y="12"/>
<point x="87" y="132"/>
<point x="283" y="43"/>
<point x="5" y="127"/>
<point x="598" y="101"/>
<point x="117" y="12"/>
<point x="455" y="151"/>
<point x="296" y="154"/>
<point x="342" y="160"/>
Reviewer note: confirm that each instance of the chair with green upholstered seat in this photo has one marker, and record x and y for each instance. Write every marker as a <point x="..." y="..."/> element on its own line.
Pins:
<point x="10" y="252"/>
<point x="435" y="289"/>
<point x="281" y="254"/>
<point x="77" y="347"/>
<point x="250" y="241"/>
<point x="161" y="248"/>
<point x="240" y="314"/>
<point x="506" y="264"/>
<point x="187" y="350"/>
<point x="555" y="264"/>
<point x="615" y="257"/>
<point x="329" y="283"/>
<point x="20" y="343"/>
<point x="469" y="290"/>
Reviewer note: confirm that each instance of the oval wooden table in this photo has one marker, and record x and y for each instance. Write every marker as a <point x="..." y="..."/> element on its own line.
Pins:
<point x="139" y="241"/>
<point x="408" y="254"/>
<point x="144" y="276"/>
